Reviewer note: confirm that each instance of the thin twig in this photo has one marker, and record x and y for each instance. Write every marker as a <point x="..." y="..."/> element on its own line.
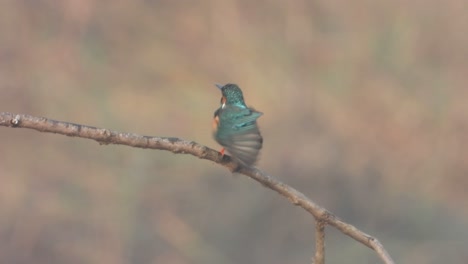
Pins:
<point x="319" y="242"/>
<point x="176" y="145"/>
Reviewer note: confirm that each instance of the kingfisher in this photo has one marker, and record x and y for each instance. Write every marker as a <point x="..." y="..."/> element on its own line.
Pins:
<point x="235" y="126"/>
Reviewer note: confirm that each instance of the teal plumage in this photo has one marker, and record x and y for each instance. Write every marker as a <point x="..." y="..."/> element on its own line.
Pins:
<point x="236" y="126"/>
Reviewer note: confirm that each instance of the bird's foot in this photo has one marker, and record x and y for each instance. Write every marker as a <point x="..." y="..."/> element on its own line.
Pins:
<point x="222" y="152"/>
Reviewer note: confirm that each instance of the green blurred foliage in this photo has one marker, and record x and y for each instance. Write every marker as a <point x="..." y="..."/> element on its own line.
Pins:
<point x="365" y="112"/>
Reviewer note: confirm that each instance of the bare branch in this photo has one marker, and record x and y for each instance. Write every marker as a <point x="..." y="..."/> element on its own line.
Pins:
<point x="319" y="242"/>
<point x="176" y="145"/>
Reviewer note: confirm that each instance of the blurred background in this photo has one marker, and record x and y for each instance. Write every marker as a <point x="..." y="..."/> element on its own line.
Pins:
<point x="365" y="111"/>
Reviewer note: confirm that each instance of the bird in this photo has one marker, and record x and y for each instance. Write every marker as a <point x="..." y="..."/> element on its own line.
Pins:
<point x="235" y="126"/>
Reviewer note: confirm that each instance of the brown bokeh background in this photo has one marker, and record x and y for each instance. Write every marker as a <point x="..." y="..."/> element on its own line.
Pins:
<point x="365" y="111"/>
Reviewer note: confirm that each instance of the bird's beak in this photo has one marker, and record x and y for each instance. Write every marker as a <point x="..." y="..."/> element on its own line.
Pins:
<point x="219" y="86"/>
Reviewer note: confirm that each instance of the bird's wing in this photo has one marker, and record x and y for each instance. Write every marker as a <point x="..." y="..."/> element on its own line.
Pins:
<point x="240" y="135"/>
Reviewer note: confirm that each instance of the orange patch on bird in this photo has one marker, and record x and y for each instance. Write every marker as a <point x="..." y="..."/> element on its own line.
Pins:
<point x="215" y="123"/>
<point x="223" y="101"/>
